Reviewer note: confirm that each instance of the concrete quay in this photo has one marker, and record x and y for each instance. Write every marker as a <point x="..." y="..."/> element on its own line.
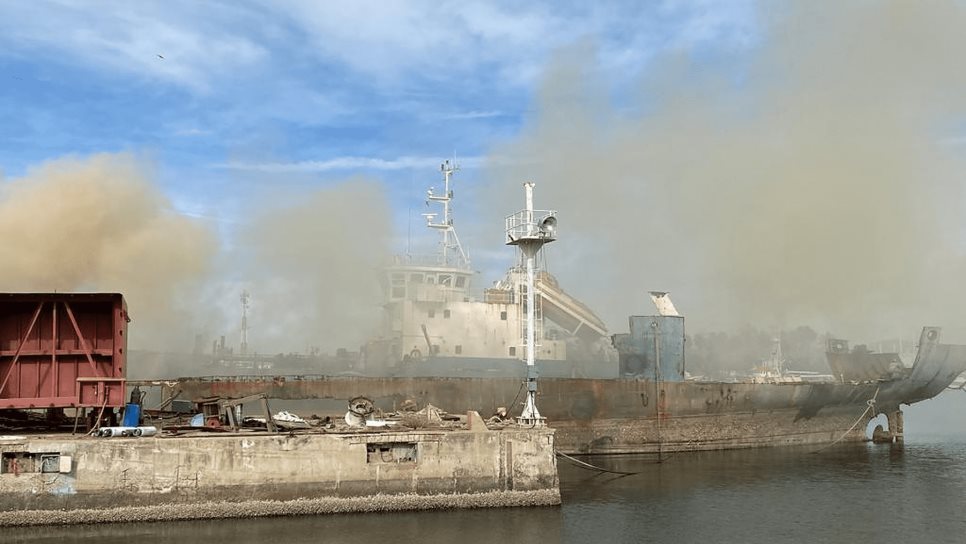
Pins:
<point x="56" y="479"/>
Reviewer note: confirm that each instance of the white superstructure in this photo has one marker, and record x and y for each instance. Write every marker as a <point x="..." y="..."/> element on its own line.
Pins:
<point x="434" y="314"/>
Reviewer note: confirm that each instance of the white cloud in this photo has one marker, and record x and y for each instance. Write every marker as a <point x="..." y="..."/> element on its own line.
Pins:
<point x="348" y="163"/>
<point x="386" y="41"/>
<point x="703" y="21"/>
<point x="473" y="114"/>
<point x="191" y="131"/>
<point x="442" y="40"/>
<point x="196" y="41"/>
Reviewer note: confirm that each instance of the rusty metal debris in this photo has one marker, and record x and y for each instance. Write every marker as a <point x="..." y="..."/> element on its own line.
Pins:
<point x="360" y="408"/>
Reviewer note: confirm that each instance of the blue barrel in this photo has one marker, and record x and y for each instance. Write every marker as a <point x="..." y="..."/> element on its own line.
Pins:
<point x="132" y="415"/>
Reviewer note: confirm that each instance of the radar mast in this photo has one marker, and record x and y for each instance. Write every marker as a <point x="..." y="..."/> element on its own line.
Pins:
<point x="451" y="251"/>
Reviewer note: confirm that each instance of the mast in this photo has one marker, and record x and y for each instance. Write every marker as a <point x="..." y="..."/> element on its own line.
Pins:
<point x="523" y="231"/>
<point x="777" y="359"/>
<point x="451" y="251"/>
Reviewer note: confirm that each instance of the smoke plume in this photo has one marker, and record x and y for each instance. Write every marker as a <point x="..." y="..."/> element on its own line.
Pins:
<point x="100" y="224"/>
<point x="813" y="180"/>
<point x="313" y="265"/>
<point x="310" y="259"/>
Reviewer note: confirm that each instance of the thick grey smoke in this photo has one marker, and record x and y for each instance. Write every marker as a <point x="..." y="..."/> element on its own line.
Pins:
<point x="312" y="262"/>
<point x="100" y="224"/>
<point x="310" y="258"/>
<point x="808" y="179"/>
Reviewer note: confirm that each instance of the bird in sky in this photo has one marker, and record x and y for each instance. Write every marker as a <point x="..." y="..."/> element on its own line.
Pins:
<point x="160" y="56"/>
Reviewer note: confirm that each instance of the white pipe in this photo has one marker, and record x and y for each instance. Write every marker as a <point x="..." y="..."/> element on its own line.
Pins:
<point x="530" y="412"/>
<point x="145" y="431"/>
<point x="110" y="432"/>
<point x="528" y="186"/>
<point x="530" y="313"/>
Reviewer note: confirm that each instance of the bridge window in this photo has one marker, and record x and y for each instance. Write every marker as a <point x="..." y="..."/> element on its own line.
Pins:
<point x="446" y="280"/>
<point x="503" y="315"/>
<point x="431" y="313"/>
<point x="460" y="281"/>
<point x="398" y="285"/>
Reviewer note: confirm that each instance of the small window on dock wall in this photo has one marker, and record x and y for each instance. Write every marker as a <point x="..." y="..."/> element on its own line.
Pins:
<point x="503" y="315"/>
<point x="431" y="313"/>
<point x="513" y="351"/>
<point x="446" y="314"/>
<point x="391" y="452"/>
<point x="23" y="462"/>
<point x="459" y="349"/>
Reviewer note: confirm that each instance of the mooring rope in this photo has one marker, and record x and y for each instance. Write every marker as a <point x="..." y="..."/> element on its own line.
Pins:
<point x="870" y="405"/>
<point x="589" y="466"/>
<point x="99" y="416"/>
<point x="513" y="403"/>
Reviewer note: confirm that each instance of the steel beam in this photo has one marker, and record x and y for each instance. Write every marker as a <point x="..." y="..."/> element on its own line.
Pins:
<point x="16" y="357"/>
<point x="82" y="340"/>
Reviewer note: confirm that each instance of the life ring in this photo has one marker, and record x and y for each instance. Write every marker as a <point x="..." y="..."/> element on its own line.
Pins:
<point x="415" y="354"/>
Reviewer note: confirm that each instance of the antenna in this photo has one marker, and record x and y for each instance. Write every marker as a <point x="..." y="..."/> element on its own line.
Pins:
<point x="777" y="362"/>
<point x="451" y="252"/>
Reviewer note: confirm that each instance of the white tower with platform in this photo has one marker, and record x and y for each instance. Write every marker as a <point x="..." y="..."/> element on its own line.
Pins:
<point x="529" y="230"/>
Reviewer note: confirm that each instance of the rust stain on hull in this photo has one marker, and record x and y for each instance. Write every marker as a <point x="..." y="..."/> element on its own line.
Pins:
<point x="635" y="415"/>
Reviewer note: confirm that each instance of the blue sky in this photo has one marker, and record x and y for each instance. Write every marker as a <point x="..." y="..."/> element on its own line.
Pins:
<point x="248" y="92"/>
<point x="679" y="116"/>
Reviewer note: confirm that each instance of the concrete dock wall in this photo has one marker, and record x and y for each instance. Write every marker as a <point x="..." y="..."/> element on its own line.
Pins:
<point x="46" y="474"/>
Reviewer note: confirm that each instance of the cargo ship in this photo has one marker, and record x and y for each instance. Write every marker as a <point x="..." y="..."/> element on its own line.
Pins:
<point x="601" y="392"/>
<point x="435" y="325"/>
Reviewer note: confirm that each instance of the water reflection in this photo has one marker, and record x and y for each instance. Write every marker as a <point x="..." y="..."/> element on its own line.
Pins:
<point x="452" y="526"/>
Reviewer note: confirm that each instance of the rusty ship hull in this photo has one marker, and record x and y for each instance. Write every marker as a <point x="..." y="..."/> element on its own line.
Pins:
<point x="642" y="415"/>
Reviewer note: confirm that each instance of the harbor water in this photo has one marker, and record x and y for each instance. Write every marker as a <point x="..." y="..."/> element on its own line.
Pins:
<point x="847" y="493"/>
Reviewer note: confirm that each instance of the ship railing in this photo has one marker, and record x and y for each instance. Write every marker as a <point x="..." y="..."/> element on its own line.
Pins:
<point x="450" y="261"/>
<point x="540" y="224"/>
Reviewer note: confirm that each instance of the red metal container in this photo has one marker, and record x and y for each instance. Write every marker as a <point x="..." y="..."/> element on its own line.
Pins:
<point x="62" y="350"/>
